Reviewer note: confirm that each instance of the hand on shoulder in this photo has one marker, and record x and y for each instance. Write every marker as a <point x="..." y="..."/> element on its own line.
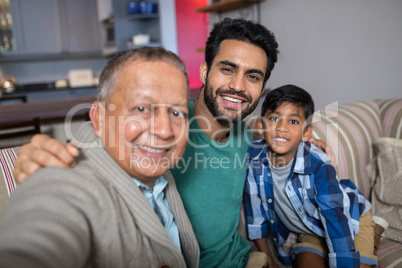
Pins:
<point x="43" y="151"/>
<point x="323" y="146"/>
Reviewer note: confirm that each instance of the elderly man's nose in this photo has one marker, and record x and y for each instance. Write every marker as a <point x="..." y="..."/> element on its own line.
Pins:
<point x="162" y="125"/>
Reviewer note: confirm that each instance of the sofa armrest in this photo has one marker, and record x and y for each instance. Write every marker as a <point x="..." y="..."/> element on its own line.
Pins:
<point x="7" y="182"/>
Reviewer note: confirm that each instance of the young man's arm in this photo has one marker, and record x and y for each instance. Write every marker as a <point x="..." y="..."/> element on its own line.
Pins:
<point x="43" y="151"/>
<point x="323" y="146"/>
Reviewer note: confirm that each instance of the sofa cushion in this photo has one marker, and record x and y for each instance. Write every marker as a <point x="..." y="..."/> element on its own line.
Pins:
<point x="390" y="254"/>
<point x="386" y="172"/>
<point x="7" y="183"/>
<point x="350" y="130"/>
<point x="391" y="114"/>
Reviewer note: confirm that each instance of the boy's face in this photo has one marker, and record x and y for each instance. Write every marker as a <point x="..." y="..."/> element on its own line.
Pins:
<point x="143" y="125"/>
<point x="283" y="130"/>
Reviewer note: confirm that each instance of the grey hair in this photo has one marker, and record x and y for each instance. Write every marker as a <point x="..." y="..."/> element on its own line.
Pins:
<point x="107" y="79"/>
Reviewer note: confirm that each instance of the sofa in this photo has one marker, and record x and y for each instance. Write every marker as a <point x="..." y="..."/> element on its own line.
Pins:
<point x="356" y="133"/>
<point x="366" y="138"/>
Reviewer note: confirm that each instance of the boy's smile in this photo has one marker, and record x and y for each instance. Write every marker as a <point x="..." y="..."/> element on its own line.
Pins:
<point x="283" y="130"/>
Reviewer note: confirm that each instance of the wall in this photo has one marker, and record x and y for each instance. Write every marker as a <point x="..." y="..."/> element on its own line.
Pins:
<point x="192" y="33"/>
<point x="337" y="50"/>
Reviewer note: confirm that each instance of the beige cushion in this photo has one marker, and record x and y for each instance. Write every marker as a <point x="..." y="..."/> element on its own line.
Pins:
<point x="7" y="183"/>
<point x="386" y="174"/>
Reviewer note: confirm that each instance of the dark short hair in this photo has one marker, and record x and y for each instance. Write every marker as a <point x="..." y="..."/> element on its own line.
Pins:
<point x="292" y="94"/>
<point x="244" y="31"/>
<point x="107" y="79"/>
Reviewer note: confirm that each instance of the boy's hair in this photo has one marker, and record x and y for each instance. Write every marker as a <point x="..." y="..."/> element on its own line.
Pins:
<point x="292" y="94"/>
<point x="244" y="31"/>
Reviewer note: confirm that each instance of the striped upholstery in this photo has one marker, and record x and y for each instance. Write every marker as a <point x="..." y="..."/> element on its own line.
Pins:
<point x="7" y="183"/>
<point x="391" y="114"/>
<point x="390" y="254"/>
<point x="350" y="130"/>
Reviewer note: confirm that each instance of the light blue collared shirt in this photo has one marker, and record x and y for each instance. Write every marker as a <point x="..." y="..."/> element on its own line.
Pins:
<point x="159" y="203"/>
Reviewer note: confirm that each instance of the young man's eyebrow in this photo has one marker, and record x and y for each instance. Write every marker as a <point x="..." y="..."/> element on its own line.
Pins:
<point x="227" y="62"/>
<point x="249" y="71"/>
<point x="255" y="71"/>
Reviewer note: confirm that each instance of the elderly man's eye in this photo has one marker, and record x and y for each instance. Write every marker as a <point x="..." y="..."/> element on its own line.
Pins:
<point x="177" y="113"/>
<point x="141" y="108"/>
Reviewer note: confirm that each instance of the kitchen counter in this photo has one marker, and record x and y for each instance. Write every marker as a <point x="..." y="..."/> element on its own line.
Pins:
<point x="53" y="109"/>
<point x="47" y="92"/>
<point x="45" y="109"/>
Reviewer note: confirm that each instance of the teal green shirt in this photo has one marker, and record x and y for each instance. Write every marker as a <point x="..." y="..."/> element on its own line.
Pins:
<point x="210" y="178"/>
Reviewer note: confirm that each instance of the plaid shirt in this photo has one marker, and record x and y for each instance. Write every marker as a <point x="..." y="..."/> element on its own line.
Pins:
<point x="329" y="207"/>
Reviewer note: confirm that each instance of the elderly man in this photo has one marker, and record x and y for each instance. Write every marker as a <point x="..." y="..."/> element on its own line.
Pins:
<point x="119" y="206"/>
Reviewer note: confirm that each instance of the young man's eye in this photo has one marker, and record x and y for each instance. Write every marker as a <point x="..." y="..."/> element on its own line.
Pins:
<point x="254" y="77"/>
<point x="227" y="70"/>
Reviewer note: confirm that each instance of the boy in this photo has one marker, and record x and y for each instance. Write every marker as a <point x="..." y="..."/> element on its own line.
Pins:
<point x="292" y="186"/>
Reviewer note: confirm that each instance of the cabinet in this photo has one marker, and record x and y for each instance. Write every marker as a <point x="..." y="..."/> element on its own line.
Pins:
<point x="161" y="26"/>
<point x="127" y="26"/>
<point x="36" y="26"/>
<point x="49" y="27"/>
<point x="227" y="5"/>
<point x="81" y="26"/>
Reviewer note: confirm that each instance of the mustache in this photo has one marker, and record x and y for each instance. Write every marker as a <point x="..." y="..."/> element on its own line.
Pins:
<point x="221" y="91"/>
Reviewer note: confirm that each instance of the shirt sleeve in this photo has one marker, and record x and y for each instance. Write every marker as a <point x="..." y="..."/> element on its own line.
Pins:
<point x="334" y="204"/>
<point x="256" y="220"/>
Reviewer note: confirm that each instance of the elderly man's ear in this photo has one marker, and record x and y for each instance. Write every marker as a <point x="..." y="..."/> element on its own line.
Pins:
<point x="97" y="116"/>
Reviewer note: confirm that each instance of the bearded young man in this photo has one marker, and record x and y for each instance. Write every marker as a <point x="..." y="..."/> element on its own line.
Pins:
<point x="239" y="58"/>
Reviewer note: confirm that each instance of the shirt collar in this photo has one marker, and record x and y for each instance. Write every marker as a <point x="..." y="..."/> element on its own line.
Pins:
<point x="159" y="186"/>
<point x="302" y="160"/>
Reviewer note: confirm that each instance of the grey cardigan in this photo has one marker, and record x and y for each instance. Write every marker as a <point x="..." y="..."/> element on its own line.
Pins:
<point x="91" y="216"/>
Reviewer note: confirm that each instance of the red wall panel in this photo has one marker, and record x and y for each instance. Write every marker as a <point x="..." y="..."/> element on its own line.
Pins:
<point x="192" y="33"/>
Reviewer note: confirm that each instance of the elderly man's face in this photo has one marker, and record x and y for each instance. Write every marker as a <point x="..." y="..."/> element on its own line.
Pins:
<point x="145" y="122"/>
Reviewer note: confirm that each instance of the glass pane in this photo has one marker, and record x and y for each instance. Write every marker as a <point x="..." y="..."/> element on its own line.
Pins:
<point x="6" y="23"/>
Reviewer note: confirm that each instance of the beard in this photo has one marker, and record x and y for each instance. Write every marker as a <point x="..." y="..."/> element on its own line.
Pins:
<point x="213" y="106"/>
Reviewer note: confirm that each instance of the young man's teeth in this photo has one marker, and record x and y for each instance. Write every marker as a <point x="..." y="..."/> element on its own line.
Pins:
<point x="232" y="99"/>
<point x="151" y="149"/>
<point x="280" y="139"/>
